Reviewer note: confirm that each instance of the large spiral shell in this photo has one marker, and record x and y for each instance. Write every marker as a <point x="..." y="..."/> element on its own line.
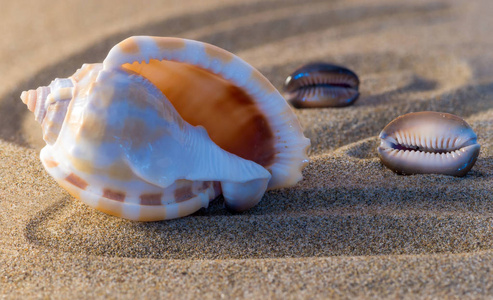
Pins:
<point x="163" y="126"/>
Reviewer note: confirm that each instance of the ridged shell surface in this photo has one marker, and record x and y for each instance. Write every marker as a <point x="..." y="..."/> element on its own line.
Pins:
<point x="429" y="142"/>
<point x="137" y="136"/>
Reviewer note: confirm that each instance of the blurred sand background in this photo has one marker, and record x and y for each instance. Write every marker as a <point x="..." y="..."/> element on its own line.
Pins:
<point x="352" y="229"/>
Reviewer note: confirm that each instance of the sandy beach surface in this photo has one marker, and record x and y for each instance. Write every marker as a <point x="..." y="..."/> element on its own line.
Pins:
<point x="352" y="229"/>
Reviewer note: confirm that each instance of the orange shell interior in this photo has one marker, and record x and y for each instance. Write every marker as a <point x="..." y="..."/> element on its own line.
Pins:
<point x="230" y="116"/>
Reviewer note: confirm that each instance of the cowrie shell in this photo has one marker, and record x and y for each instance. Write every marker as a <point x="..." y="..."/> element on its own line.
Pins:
<point x="429" y="143"/>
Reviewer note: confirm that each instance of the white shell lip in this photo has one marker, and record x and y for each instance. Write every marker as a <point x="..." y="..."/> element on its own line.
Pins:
<point x="429" y="143"/>
<point x="291" y="145"/>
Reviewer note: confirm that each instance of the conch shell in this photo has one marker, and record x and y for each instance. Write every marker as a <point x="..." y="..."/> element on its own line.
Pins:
<point x="163" y="126"/>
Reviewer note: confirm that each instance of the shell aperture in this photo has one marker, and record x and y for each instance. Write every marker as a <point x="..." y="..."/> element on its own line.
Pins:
<point x="207" y="107"/>
<point x="140" y="139"/>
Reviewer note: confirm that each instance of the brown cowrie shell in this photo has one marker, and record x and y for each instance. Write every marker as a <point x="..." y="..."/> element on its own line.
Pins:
<point x="429" y="143"/>
<point x="319" y="85"/>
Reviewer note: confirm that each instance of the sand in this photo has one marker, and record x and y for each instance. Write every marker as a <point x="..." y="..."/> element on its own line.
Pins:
<point x="351" y="229"/>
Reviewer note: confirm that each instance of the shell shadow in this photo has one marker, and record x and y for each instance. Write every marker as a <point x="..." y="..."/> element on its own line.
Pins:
<point x="331" y="232"/>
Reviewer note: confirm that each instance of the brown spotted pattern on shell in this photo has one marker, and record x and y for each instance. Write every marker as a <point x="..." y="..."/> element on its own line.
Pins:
<point x="163" y="126"/>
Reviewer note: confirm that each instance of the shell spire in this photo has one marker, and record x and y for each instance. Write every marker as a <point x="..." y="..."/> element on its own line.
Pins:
<point x="36" y="101"/>
<point x="49" y="105"/>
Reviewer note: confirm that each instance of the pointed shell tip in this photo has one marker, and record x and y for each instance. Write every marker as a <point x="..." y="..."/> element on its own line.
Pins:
<point x="24" y="97"/>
